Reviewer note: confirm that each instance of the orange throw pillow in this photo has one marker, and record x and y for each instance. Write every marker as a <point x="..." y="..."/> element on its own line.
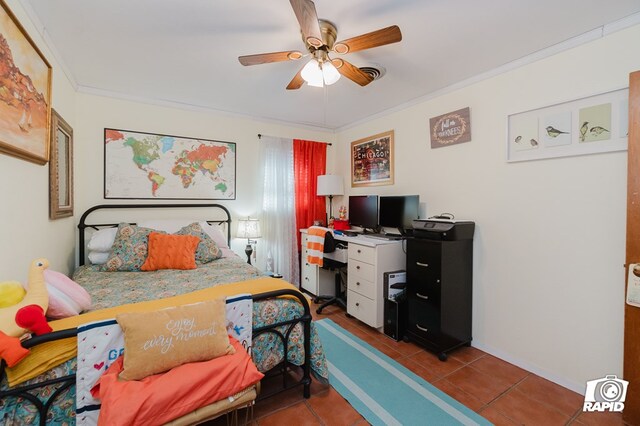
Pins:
<point x="171" y="252"/>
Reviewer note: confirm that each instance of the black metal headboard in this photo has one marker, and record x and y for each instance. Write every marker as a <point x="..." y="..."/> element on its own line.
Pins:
<point x="83" y="224"/>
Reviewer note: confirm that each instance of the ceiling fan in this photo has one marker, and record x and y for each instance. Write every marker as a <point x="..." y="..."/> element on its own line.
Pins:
<point x="319" y="37"/>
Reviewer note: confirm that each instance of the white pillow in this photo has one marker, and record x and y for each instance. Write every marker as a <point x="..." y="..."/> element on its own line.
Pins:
<point x="102" y="240"/>
<point x="226" y="252"/>
<point x="215" y="232"/>
<point x="98" y="257"/>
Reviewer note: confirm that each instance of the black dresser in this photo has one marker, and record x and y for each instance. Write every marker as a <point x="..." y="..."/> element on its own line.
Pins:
<point x="439" y="285"/>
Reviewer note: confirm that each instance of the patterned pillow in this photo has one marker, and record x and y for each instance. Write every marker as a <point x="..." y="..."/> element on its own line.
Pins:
<point x="129" y="249"/>
<point x="207" y="249"/>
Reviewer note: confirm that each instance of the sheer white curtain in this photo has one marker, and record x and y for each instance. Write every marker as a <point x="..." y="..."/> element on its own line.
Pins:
<point x="279" y="251"/>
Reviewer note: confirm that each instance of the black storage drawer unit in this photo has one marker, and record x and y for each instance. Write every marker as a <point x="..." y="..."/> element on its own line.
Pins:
<point x="439" y="285"/>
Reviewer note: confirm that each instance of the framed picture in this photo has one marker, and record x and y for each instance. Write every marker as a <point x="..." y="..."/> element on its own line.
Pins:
<point x="451" y="128"/>
<point x="60" y="168"/>
<point x="372" y="160"/>
<point x="590" y="125"/>
<point x="25" y="93"/>
<point x="153" y="166"/>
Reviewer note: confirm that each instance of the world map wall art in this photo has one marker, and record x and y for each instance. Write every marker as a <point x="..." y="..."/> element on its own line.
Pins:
<point x="152" y="166"/>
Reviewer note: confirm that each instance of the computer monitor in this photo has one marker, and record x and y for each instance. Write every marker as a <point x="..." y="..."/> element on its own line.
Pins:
<point x="399" y="211"/>
<point x="363" y="211"/>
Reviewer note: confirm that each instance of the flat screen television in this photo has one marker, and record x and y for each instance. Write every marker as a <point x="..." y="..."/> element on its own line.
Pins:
<point x="363" y="211"/>
<point x="399" y="211"/>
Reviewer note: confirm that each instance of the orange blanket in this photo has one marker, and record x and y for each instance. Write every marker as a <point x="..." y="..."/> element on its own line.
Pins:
<point x="163" y="397"/>
<point x="47" y="355"/>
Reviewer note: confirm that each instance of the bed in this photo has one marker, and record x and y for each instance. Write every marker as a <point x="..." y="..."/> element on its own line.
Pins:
<point x="284" y="337"/>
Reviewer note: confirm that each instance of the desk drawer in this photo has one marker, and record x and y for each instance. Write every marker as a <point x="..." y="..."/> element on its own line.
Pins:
<point x="362" y="308"/>
<point x="361" y="270"/>
<point x="309" y="278"/>
<point x="362" y="286"/>
<point x="362" y="253"/>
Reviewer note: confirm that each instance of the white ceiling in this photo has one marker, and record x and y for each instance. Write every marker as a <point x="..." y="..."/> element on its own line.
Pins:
<point x="186" y="51"/>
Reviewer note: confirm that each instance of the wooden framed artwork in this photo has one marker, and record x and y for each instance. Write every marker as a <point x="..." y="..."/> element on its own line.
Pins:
<point x="142" y="165"/>
<point x="590" y="125"/>
<point x="25" y="93"/>
<point x="372" y="160"/>
<point x="60" y="168"/>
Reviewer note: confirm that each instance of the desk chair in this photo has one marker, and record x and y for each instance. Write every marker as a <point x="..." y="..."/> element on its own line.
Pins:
<point x="337" y="267"/>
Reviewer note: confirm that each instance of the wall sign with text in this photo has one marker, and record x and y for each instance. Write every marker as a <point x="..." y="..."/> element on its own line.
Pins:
<point x="372" y="160"/>
<point x="450" y="129"/>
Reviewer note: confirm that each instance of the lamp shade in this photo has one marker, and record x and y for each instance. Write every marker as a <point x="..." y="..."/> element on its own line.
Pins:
<point x="248" y="228"/>
<point x="330" y="185"/>
<point x="312" y="73"/>
<point x="319" y="74"/>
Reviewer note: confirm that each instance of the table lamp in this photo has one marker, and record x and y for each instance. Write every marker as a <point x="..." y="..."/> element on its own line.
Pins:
<point x="330" y="185"/>
<point x="249" y="229"/>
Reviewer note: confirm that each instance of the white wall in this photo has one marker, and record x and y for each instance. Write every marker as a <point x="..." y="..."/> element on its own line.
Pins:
<point x="25" y="229"/>
<point x="97" y="112"/>
<point x="550" y="236"/>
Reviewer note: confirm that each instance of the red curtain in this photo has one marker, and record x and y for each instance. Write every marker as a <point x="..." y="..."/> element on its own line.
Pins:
<point x="309" y="161"/>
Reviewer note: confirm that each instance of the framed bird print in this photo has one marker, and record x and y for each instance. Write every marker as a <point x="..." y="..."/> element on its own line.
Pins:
<point x="590" y="125"/>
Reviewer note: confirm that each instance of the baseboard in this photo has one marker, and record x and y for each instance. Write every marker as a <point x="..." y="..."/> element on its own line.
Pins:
<point x="571" y="385"/>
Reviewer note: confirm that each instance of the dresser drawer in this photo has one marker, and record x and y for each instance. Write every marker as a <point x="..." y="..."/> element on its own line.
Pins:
<point x="361" y="270"/>
<point x="361" y="307"/>
<point x="362" y="253"/>
<point x="362" y="286"/>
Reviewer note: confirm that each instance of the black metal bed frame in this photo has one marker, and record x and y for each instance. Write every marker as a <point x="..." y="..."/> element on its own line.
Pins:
<point x="281" y="369"/>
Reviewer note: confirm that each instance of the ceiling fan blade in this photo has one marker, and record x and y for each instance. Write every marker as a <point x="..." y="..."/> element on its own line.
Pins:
<point x="377" y="38"/>
<point x="352" y="72"/>
<point x="305" y="11"/>
<point x="296" y="82"/>
<point x="265" y="58"/>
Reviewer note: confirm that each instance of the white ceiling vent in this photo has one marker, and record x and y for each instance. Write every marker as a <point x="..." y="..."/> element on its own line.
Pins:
<point x="376" y="71"/>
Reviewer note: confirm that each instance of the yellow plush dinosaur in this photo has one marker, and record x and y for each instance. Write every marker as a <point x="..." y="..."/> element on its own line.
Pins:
<point x="37" y="294"/>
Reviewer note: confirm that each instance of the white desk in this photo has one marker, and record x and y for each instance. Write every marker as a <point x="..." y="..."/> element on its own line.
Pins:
<point x="368" y="260"/>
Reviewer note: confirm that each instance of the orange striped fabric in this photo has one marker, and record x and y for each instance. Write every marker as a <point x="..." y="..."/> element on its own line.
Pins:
<point x="315" y="244"/>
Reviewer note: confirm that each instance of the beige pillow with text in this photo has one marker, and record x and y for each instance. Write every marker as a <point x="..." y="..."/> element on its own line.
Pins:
<point x="157" y="341"/>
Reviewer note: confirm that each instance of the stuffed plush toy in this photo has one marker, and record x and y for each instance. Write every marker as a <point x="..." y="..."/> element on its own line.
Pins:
<point x="11" y="350"/>
<point x="11" y="292"/>
<point x="66" y="297"/>
<point x="35" y="295"/>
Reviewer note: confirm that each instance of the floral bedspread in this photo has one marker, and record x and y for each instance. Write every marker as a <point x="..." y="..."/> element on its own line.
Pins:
<point x="109" y="289"/>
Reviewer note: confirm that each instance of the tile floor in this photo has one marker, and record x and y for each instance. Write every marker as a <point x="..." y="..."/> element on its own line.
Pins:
<point x="499" y="391"/>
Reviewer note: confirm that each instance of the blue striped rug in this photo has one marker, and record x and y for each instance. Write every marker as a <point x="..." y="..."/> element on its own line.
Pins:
<point x="382" y="390"/>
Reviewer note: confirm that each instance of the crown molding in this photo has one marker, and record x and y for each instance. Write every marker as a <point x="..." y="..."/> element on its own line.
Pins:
<point x="571" y="43"/>
<point x="589" y="36"/>
<point x="197" y="108"/>
<point x="44" y="35"/>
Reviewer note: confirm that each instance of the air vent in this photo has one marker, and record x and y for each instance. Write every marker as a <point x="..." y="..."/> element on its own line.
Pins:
<point x="377" y="72"/>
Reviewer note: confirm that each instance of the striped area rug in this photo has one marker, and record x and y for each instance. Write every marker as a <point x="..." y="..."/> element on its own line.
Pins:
<point x="382" y="390"/>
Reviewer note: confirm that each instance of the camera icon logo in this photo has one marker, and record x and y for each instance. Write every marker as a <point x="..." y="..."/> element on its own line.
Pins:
<point x="605" y="394"/>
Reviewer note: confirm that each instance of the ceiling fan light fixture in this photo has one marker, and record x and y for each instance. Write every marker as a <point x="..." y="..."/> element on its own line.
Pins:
<point x="330" y="73"/>
<point x="319" y="74"/>
<point x="312" y="73"/>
